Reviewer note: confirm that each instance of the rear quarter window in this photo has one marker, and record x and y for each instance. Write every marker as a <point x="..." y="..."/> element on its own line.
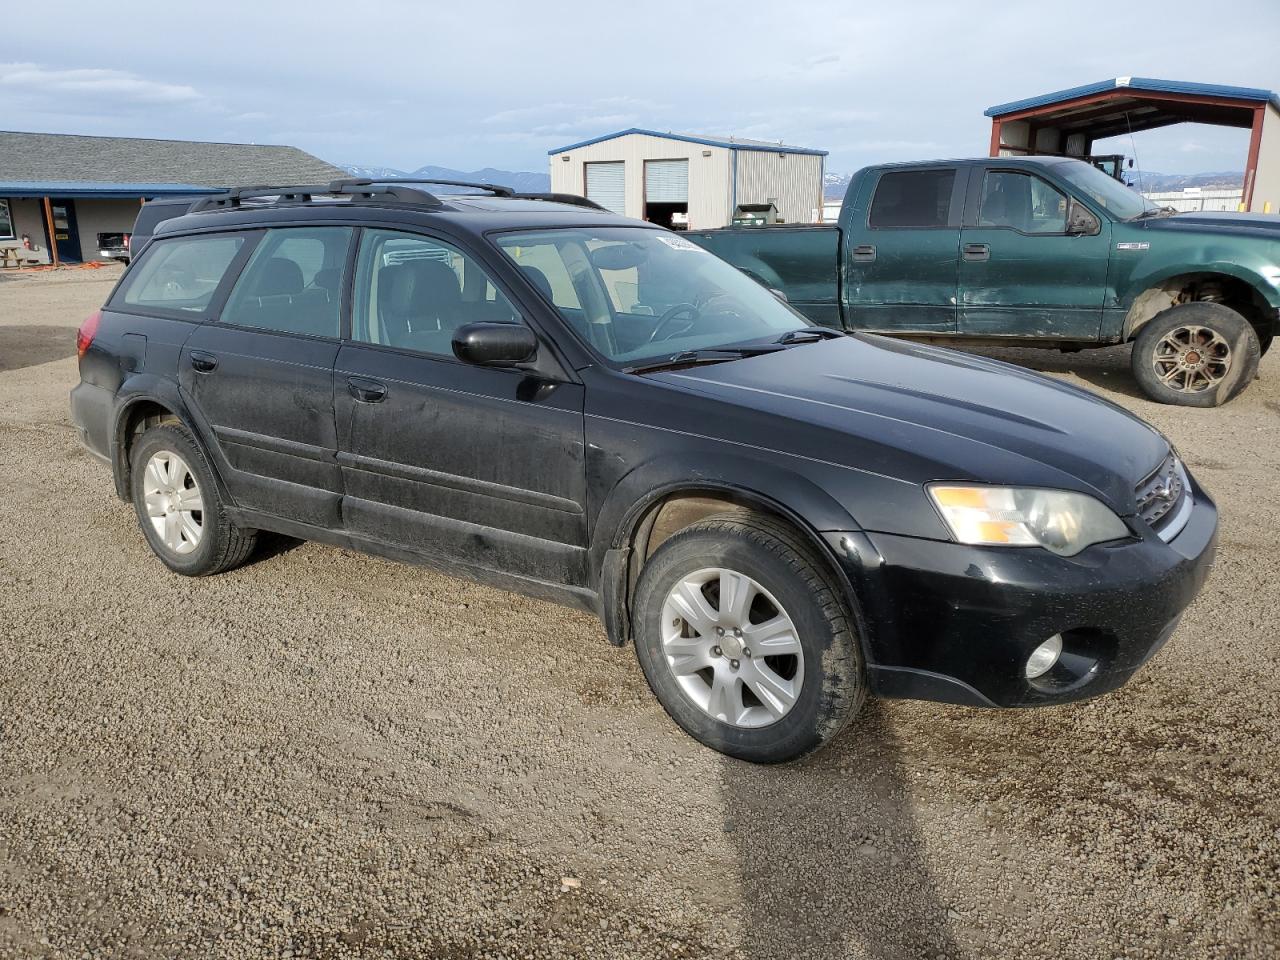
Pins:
<point x="179" y="275"/>
<point x="912" y="198"/>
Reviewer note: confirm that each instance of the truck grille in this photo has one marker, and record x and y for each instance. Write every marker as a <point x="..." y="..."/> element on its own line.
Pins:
<point x="1164" y="498"/>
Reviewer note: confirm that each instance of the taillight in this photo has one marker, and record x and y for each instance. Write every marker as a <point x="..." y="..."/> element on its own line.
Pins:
<point x="88" y="330"/>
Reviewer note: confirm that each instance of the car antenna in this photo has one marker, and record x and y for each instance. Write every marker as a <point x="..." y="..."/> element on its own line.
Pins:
<point x="1137" y="164"/>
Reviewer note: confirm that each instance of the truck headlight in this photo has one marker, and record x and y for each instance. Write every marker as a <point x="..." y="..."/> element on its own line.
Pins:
<point x="1057" y="520"/>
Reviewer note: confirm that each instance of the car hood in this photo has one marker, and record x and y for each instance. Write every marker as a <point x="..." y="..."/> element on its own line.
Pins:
<point x="889" y="406"/>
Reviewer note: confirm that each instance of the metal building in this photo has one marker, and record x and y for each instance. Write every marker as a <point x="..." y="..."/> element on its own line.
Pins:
<point x="691" y="182"/>
<point x="1069" y="121"/>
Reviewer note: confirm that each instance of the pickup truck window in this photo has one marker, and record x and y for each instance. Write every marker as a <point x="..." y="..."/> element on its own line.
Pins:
<point x="1022" y="202"/>
<point x="642" y="294"/>
<point x="912" y="198"/>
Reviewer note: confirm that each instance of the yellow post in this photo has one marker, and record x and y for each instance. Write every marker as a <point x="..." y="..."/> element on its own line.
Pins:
<point x="1240" y="207"/>
<point x="1266" y="207"/>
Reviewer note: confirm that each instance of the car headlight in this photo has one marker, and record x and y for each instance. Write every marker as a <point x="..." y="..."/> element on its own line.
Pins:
<point x="1057" y="520"/>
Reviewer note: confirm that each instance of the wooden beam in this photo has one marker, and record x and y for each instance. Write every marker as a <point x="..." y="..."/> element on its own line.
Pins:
<point x="1255" y="148"/>
<point x="53" y="239"/>
<point x="995" y="138"/>
<point x="1052" y="111"/>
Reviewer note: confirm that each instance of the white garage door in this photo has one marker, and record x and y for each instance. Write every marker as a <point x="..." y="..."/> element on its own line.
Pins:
<point x="666" y="181"/>
<point x="607" y="185"/>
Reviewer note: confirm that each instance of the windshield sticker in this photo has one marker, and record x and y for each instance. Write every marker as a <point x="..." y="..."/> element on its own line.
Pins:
<point x="677" y="243"/>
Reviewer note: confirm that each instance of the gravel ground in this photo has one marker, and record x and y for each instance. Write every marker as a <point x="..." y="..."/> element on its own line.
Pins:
<point x="326" y="755"/>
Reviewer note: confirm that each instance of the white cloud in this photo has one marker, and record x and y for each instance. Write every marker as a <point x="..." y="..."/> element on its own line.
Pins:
<point x="118" y="85"/>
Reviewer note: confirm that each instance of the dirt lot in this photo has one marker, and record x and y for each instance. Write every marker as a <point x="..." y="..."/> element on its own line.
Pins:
<point x="325" y="754"/>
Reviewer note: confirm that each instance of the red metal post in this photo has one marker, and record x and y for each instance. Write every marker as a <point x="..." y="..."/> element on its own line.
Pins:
<point x="1255" y="147"/>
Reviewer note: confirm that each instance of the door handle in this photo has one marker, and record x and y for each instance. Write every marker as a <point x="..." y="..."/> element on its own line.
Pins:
<point x="864" y="252"/>
<point x="366" y="390"/>
<point x="204" y="362"/>
<point x="977" y="251"/>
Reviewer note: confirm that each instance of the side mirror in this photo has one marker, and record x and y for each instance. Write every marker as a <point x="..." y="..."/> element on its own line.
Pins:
<point x="495" y="344"/>
<point x="1081" y="221"/>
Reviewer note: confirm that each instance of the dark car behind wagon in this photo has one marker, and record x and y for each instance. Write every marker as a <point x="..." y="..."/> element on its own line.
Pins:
<point x="537" y="394"/>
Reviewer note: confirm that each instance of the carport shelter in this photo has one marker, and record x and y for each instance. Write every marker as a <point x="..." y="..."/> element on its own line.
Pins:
<point x="61" y="193"/>
<point x="1068" y="122"/>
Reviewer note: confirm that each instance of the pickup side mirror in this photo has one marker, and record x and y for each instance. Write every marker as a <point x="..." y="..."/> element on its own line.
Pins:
<point x="1081" y="221"/>
<point x="495" y="344"/>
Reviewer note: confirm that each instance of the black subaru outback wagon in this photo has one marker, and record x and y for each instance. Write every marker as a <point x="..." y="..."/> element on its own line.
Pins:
<point x="544" y="396"/>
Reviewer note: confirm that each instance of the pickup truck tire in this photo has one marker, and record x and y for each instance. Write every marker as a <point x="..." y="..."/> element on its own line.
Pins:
<point x="1196" y="355"/>
<point x="804" y="680"/>
<point x="178" y="506"/>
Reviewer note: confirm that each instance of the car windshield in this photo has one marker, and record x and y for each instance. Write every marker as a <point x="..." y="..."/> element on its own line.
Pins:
<point x="637" y="294"/>
<point x="1125" y="202"/>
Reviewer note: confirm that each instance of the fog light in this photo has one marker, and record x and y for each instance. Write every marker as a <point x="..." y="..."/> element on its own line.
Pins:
<point x="1044" y="657"/>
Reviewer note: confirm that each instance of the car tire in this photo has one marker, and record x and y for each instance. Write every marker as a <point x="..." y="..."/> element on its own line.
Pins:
<point x="696" y="656"/>
<point x="169" y="475"/>
<point x="1196" y="355"/>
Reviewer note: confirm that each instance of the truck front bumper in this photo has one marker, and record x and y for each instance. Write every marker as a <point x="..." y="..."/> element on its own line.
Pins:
<point x="956" y="623"/>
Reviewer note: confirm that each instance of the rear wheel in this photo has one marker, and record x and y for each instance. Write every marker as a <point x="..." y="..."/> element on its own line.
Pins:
<point x="1196" y="355"/>
<point x="746" y="641"/>
<point x="178" y="505"/>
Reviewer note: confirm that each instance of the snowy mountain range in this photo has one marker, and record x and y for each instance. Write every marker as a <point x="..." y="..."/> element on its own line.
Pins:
<point x="835" y="184"/>
<point x="520" y="181"/>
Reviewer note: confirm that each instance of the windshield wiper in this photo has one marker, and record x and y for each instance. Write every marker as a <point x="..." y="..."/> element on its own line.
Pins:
<point x="809" y="335"/>
<point x="689" y="358"/>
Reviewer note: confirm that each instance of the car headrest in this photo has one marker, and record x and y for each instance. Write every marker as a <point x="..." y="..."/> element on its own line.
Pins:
<point x="539" y="280"/>
<point x="279" y="275"/>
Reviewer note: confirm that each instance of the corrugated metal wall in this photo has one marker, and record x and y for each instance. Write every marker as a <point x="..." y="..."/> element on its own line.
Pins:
<point x="792" y="180"/>
<point x="708" y="175"/>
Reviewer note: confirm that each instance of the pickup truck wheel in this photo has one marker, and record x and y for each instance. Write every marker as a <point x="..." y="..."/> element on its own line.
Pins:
<point x="746" y="640"/>
<point x="178" y="506"/>
<point x="1196" y="355"/>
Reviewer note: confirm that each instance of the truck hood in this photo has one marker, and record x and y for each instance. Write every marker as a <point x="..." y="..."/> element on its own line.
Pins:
<point x="890" y="406"/>
<point x="1259" y="225"/>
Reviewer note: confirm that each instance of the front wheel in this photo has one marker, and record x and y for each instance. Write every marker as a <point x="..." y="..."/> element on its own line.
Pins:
<point x="746" y="641"/>
<point x="1196" y="355"/>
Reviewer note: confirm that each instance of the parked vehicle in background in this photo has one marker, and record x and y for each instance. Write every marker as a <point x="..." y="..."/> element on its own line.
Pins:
<point x="545" y="396"/>
<point x="1034" y="251"/>
<point x="114" y="246"/>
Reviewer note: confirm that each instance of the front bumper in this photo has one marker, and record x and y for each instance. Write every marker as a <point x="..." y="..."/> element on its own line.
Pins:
<point x="956" y="623"/>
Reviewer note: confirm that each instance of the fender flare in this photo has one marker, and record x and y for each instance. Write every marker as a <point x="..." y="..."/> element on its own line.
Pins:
<point x="150" y="388"/>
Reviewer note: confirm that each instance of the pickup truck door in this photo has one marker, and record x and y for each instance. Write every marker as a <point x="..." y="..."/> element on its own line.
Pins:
<point x="1021" y="273"/>
<point x="901" y="256"/>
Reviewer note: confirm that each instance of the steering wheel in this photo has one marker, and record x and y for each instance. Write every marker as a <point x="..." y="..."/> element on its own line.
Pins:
<point x="671" y="314"/>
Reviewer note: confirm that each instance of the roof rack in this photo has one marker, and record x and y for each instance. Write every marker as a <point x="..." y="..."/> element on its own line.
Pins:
<point x="394" y="190"/>
<point x="494" y="188"/>
<point x="572" y="198"/>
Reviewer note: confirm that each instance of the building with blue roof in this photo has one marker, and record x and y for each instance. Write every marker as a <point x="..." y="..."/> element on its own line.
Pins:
<point x="693" y="181"/>
<point x="1069" y="122"/>
<point x="61" y="193"/>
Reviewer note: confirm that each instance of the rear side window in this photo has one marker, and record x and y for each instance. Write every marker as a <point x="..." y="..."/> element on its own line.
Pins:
<point x="180" y="274"/>
<point x="912" y="198"/>
<point x="293" y="282"/>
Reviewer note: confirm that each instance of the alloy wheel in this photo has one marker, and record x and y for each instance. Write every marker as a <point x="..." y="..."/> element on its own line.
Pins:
<point x="732" y="648"/>
<point x="1191" y="359"/>
<point x="173" y="502"/>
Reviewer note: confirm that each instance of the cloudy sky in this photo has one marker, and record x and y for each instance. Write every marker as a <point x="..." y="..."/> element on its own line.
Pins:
<point x="499" y="83"/>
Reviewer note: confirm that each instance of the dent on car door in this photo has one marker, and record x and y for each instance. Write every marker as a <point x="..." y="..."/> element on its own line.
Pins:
<point x="482" y="466"/>
<point x="262" y="375"/>
<point x="901" y="265"/>
<point x="1022" y="274"/>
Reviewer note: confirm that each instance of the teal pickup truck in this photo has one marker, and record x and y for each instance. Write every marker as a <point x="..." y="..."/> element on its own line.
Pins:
<point x="1033" y="251"/>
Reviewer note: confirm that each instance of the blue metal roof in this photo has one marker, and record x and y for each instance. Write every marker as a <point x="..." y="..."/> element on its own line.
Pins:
<point x="759" y="145"/>
<point x="1250" y="94"/>
<point x="84" y="189"/>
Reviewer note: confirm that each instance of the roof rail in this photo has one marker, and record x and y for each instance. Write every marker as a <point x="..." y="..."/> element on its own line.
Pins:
<point x="572" y="198"/>
<point x="366" y="189"/>
<point x="494" y="188"/>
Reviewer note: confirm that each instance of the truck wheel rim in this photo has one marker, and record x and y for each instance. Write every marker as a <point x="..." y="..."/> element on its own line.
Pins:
<point x="1191" y="359"/>
<point x="732" y="648"/>
<point x="173" y="502"/>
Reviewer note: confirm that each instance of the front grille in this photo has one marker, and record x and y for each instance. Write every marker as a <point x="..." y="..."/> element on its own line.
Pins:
<point x="1164" y="498"/>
